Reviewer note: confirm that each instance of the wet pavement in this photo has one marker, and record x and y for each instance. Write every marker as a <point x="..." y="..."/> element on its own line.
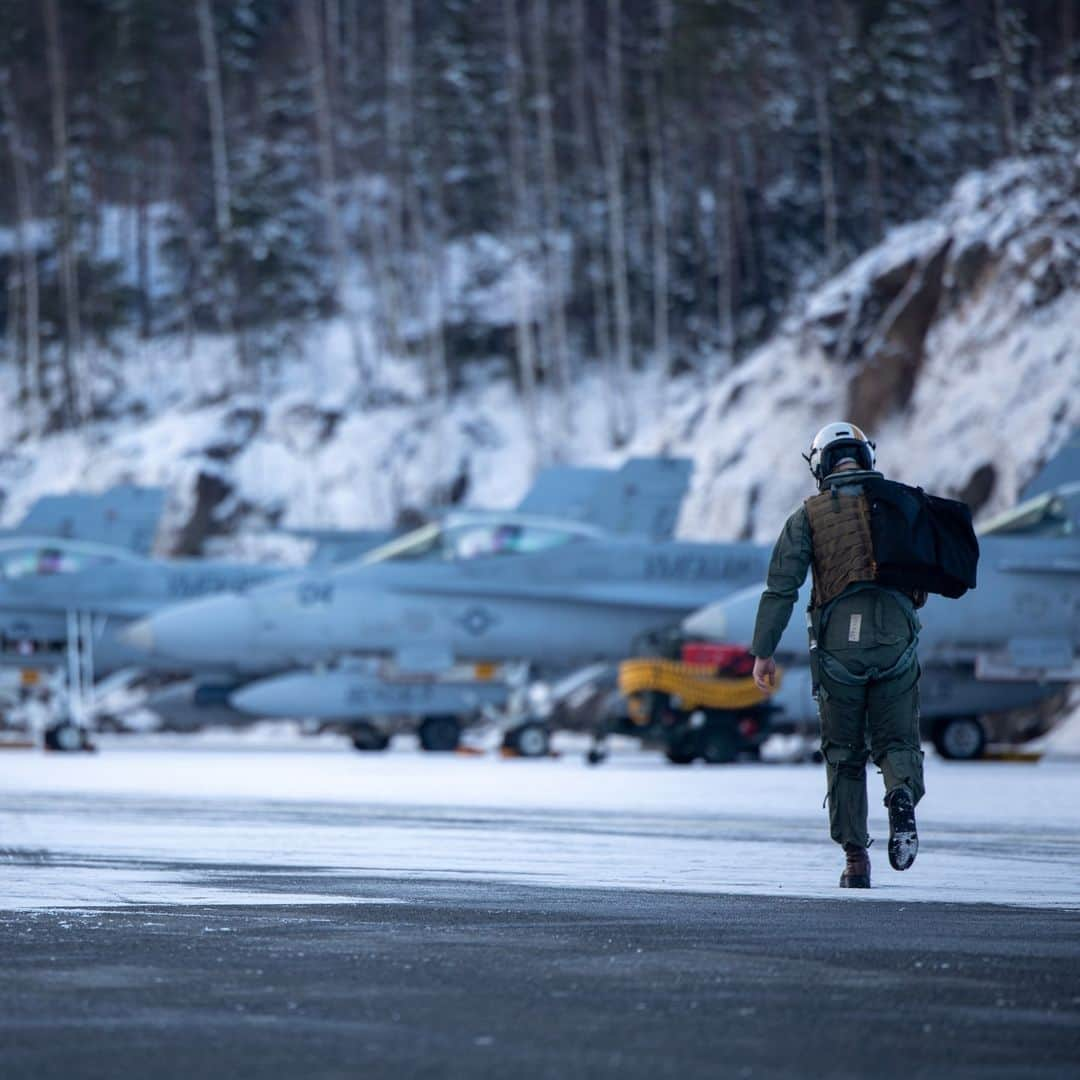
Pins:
<point x="406" y="977"/>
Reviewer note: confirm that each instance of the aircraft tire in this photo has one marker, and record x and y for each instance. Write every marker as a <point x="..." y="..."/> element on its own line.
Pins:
<point x="65" y="738"/>
<point x="960" y="738"/>
<point x="681" y="750"/>
<point x="368" y="739"/>
<point x="530" y="740"/>
<point x="719" y="746"/>
<point x="440" y="734"/>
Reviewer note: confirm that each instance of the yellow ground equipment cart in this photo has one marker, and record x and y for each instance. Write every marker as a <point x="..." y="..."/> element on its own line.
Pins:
<point x="702" y="705"/>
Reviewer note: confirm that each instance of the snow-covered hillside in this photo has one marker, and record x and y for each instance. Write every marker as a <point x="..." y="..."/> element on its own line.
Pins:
<point x="956" y="343"/>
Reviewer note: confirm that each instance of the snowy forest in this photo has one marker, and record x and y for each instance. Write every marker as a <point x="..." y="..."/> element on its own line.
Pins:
<point x="646" y="182"/>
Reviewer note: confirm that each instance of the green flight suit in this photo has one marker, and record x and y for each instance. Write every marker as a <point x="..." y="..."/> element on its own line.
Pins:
<point x="866" y="674"/>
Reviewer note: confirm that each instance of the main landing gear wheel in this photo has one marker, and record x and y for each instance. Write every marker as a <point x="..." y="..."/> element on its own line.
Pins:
<point x="960" y="738"/>
<point x="719" y="747"/>
<point x="681" y="750"/>
<point x="529" y="740"/>
<point x="440" y="734"/>
<point x="66" y="738"/>
<point x="367" y="738"/>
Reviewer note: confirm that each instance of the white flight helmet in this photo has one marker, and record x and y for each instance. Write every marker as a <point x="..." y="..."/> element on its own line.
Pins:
<point x="837" y="441"/>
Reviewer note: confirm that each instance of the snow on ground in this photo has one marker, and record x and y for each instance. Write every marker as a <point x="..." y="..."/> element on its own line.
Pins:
<point x="138" y="824"/>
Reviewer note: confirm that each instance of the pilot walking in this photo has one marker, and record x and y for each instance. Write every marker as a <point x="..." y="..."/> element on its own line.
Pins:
<point x="863" y="659"/>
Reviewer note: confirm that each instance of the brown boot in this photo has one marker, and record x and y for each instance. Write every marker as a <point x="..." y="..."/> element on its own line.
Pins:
<point x="856" y="873"/>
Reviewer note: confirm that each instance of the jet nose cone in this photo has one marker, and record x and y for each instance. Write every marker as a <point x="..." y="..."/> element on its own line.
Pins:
<point x="709" y="623"/>
<point x="140" y="635"/>
<point x="217" y="630"/>
<point x="273" y="697"/>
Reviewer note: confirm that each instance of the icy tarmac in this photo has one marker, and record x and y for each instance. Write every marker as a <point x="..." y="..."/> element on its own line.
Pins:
<point x="138" y="824"/>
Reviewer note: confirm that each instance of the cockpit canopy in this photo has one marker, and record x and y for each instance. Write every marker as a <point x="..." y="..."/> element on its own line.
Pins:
<point x="19" y="561"/>
<point x="1054" y="514"/>
<point x="460" y="539"/>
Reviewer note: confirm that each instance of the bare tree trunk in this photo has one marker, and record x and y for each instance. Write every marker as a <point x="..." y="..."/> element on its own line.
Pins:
<point x="74" y="385"/>
<point x="726" y="259"/>
<point x="828" y="182"/>
<point x="398" y="107"/>
<point x="350" y="65"/>
<point x="613" y="168"/>
<point x="142" y="252"/>
<point x="659" y="204"/>
<point x="817" y="61"/>
<point x="1005" y="67"/>
<point x="552" y="233"/>
<point x="427" y="245"/>
<point x="333" y="76"/>
<point x="26" y="256"/>
<point x="335" y="229"/>
<point x="1068" y="32"/>
<point x="874" y="181"/>
<point x="592" y="256"/>
<point x="743" y="247"/>
<point x="222" y="185"/>
<point x="14" y="334"/>
<point x="523" y="314"/>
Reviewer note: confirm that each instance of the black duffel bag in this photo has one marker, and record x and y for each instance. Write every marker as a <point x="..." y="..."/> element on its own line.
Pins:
<point x="921" y="542"/>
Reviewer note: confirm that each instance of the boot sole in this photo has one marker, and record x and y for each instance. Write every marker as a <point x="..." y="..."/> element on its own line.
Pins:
<point x="855" y="882"/>
<point x="903" y="837"/>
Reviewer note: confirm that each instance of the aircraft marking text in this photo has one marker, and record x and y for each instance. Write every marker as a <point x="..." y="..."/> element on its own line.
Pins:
<point x="312" y="593"/>
<point x="698" y="567"/>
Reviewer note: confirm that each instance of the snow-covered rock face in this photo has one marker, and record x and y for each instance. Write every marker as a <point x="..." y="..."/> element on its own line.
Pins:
<point x="955" y="342"/>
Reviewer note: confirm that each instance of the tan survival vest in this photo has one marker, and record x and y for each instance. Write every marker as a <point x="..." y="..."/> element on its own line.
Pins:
<point x="843" y="548"/>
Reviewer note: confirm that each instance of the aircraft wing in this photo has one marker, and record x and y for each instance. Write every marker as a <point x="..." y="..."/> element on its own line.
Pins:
<point x="1062" y="468"/>
<point x="1061" y="564"/>
<point x="335" y="546"/>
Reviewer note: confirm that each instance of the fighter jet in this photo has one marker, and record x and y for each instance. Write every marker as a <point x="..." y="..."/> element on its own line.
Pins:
<point x="1010" y="644"/>
<point x="45" y="580"/>
<point x="64" y="601"/>
<point x="59" y="534"/>
<point x="476" y="588"/>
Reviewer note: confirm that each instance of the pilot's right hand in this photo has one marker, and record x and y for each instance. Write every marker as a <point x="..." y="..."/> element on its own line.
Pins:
<point x="765" y="673"/>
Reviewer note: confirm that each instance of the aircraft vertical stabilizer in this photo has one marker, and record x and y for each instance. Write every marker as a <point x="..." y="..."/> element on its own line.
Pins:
<point x="643" y="498"/>
<point x="125" y="516"/>
<point x="1063" y="468"/>
<point x="564" y="491"/>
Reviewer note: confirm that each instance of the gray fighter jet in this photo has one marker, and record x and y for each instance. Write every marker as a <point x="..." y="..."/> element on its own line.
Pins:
<point x="43" y="581"/>
<point x="67" y="602"/>
<point x="474" y="588"/>
<point x="1010" y="644"/>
